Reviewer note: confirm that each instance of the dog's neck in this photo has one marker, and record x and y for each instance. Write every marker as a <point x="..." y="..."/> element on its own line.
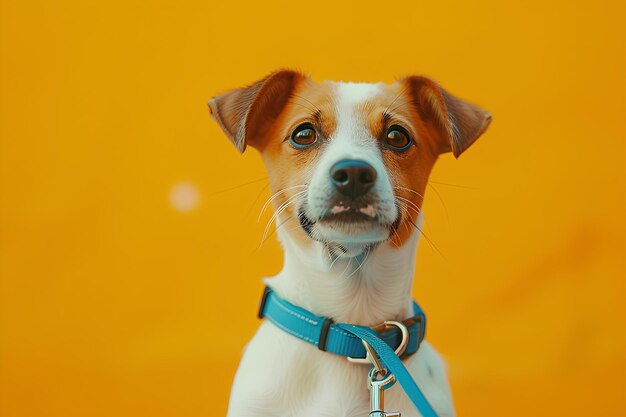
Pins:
<point x="358" y="291"/>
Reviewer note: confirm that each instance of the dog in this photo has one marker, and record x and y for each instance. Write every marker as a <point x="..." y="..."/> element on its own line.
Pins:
<point x="347" y="164"/>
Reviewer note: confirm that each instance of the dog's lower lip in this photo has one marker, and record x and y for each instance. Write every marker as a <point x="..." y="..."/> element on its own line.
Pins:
<point x="348" y="216"/>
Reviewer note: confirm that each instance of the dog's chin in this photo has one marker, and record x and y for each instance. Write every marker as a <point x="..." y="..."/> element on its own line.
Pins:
<point x="348" y="234"/>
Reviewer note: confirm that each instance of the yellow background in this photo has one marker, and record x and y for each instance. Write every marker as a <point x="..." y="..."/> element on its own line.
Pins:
<point x="112" y="300"/>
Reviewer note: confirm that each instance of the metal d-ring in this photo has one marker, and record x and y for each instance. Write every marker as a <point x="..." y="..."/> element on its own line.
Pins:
<point x="371" y="357"/>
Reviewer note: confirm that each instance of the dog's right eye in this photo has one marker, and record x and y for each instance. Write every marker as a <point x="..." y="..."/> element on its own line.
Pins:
<point x="398" y="139"/>
<point x="304" y="136"/>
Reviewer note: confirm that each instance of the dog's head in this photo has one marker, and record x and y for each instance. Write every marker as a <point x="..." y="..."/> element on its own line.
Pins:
<point x="348" y="163"/>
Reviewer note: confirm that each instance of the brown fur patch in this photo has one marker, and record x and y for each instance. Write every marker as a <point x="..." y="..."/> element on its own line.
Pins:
<point x="289" y="168"/>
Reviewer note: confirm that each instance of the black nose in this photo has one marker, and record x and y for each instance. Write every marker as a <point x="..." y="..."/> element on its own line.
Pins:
<point x="353" y="178"/>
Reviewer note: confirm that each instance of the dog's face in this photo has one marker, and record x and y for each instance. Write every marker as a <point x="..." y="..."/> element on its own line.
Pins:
<point x="348" y="163"/>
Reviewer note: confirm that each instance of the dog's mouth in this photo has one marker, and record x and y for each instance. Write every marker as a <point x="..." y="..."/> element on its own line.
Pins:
<point x="347" y="217"/>
<point x="349" y="222"/>
<point x="350" y="214"/>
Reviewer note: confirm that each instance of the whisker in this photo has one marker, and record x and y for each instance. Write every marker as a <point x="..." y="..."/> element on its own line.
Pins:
<point x="395" y="235"/>
<point x="280" y="210"/>
<point x="308" y="101"/>
<point x="276" y="194"/>
<point x="348" y="263"/>
<point x="333" y="262"/>
<point x="395" y="230"/>
<point x="276" y="214"/>
<point x="237" y="186"/>
<point x="409" y="190"/>
<point x="401" y="105"/>
<point x="406" y="208"/>
<point x="454" y="185"/>
<point x="401" y="206"/>
<point x="445" y="209"/>
<point x="276" y="229"/>
<point x="258" y="196"/>
<point x="409" y="202"/>
<point x="303" y="105"/>
<point x="293" y="199"/>
<point x="430" y="242"/>
<point x="367" y="255"/>
<point x="396" y="98"/>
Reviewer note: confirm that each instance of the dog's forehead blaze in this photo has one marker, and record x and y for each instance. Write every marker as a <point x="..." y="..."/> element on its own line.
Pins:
<point x="290" y="169"/>
<point x="408" y="171"/>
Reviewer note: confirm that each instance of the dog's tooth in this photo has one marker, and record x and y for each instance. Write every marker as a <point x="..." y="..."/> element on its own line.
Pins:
<point x="370" y="210"/>
<point x="339" y="209"/>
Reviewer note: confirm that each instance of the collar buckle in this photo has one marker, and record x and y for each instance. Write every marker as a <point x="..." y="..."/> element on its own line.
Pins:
<point x="371" y="358"/>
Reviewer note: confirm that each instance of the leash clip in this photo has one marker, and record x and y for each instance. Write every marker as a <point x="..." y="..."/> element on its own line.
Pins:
<point x="377" y="394"/>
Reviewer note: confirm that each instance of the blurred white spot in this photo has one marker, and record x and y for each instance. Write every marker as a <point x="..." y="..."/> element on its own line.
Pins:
<point x="184" y="196"/>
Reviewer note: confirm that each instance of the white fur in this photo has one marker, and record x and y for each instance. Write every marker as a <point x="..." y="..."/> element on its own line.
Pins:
<point x="351" y="140"/>
<point x="280" y="375"/>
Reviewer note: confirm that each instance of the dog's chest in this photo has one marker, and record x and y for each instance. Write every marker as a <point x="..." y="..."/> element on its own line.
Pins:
<point x="280" y="375"/>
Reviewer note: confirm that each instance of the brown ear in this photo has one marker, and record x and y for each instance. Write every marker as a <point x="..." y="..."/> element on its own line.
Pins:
<point x="458" y="122"/>
<point x="244" y="114"/>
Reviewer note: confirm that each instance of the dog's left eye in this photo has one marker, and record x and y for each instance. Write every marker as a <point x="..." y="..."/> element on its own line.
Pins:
<point x="398" y="138"/>
<point x="304" y="136"/>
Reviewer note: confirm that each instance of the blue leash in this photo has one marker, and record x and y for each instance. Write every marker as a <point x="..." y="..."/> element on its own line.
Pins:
<point x="345" y="339"/>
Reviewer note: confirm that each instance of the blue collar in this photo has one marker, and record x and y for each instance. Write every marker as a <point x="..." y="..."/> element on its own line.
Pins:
<point x="347" y="340"/>
<point x="331" y="337"/>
